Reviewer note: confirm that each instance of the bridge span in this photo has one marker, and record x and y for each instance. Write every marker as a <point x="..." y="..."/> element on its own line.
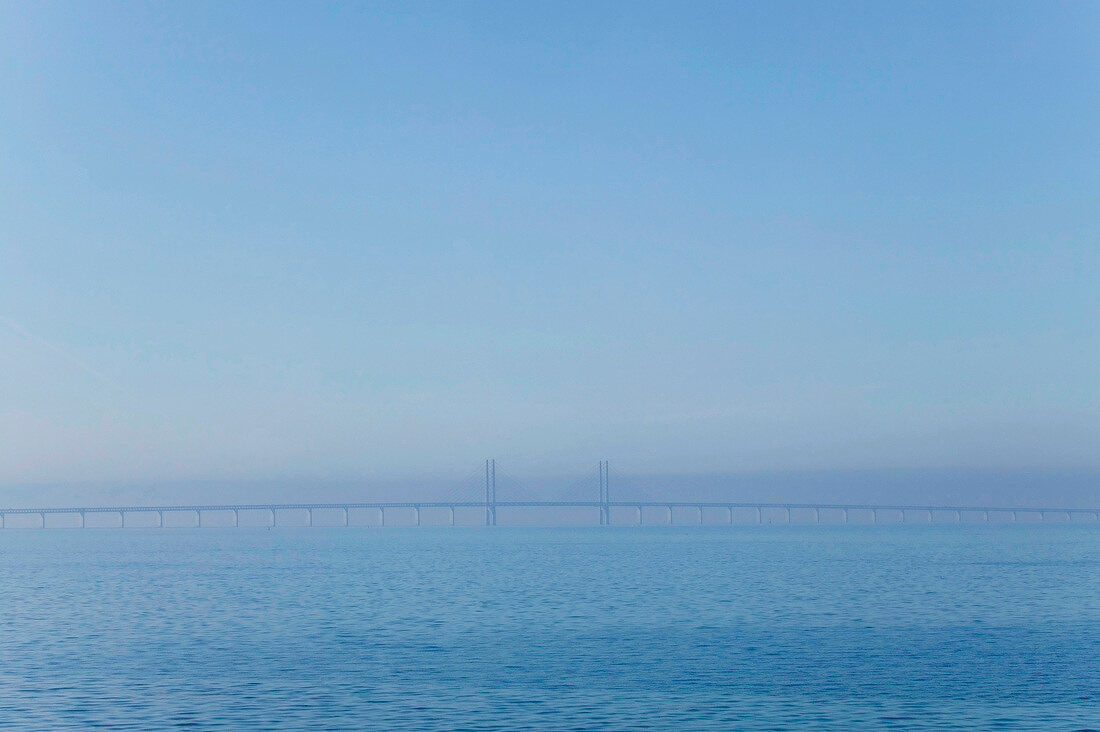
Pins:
<point x="604" y="509"/>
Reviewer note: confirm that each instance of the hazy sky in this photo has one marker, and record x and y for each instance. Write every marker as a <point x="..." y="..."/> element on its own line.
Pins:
<point x="271" y="241"/>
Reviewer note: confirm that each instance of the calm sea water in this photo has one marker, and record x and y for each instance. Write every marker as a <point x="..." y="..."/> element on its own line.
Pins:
<point x="906" y="627"/>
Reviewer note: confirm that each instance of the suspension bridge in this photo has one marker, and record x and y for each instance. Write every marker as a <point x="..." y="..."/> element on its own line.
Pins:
<point x="629" y="512"/>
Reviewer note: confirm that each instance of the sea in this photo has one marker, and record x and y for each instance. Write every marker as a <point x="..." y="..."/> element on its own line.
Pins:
<point x="908" y="627"/>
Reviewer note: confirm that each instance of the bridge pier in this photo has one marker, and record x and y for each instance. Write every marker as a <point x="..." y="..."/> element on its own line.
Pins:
<point x="236" y="518"/>
<point x="160" y="520"/>
<point x="310" y="512"/>
<point x="986" y="515"/>
<point x="669" y="515"/>
<point x="930" y="517"/>
<point x="452" y="515"/>
<point x="845" y="515"/>
<point x="198" y="518"/>
<point x="817" y="515"/>
<point x="417" y="510"/>
<point x="639" y="510"/>
<point x="700" y="510"/>
<point x="381" y="516"/>
<point x="121" y="519"/>
<point x="346" y="519"/>
<point x="83" y="522"/>
<point x="759" y="515"/>
<point x="788" y="514"/>
<point x="43" y="520"/>
<point x="1042" y="515"/>
<point x="1013" y="516"/>
<point x="874" y="515"/>
<point x="273" y="518"/>
<point x="729" y="514"/>
<point x="958" y="517"/>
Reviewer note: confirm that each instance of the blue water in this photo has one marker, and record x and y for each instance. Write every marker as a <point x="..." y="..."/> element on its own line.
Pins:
<point x="919" y="627"/>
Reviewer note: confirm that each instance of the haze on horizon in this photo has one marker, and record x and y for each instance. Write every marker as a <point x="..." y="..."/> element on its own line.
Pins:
<point x="293" y="242"/>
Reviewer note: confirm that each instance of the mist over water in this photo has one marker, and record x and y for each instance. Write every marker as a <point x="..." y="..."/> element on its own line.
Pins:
<point x="918" y="627"/>
<point x="1009" y="488"/>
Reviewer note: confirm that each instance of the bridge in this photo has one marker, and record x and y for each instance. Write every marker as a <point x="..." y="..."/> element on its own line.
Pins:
<point x="603" y="509"/>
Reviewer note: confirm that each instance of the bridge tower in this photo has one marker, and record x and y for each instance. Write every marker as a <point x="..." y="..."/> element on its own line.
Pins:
<point x="605" y="496"/>
<point x="490" y="492"/>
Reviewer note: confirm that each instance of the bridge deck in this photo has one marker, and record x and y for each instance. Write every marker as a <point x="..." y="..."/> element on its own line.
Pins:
<point x="545" y="504"/>
<point x="491" y="508"/>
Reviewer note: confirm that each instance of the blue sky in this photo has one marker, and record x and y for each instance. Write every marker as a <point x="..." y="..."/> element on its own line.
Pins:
<point x="303" y="241"/>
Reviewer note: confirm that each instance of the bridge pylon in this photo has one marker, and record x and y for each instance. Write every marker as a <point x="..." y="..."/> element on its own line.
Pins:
<point x="490" y="492"/>
<point x="605" y="496"/>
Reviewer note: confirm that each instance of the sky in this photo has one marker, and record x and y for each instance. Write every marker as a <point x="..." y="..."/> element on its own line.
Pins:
<point x="307" y="242"/>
